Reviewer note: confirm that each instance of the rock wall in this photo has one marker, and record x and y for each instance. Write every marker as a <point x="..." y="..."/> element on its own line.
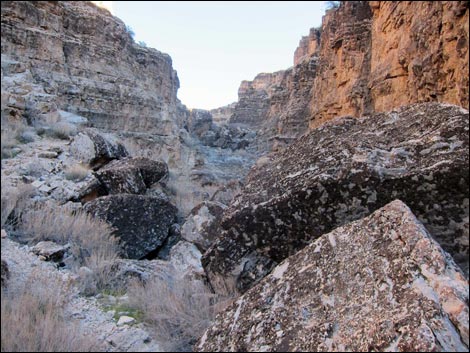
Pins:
<point x="276" y="105"/>
<point x="83" y="60"/>
<point x="367" y="57"/>
<point x="379" y="55"/>
<point x="308" y="45"/>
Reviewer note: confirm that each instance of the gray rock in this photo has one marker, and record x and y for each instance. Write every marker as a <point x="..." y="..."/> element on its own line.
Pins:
<point x="125" y="320"/>
<point x="142" y="223"/>
<point x="202" y="224"/>
<point x="96" y="149"/>
<point x="378" y="284"/>
<point x="184" y="263"/>
<point x="50" y="250"/>
<point x="226" y="193"/>
<point x="131" y="175"/>
<point x="344" y="171"/>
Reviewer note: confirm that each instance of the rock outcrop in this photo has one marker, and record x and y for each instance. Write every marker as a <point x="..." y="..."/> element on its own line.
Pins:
<point x="367" y="57"/>
<point x="378" y="284"/>
<point x="50" y="46"/>
<point x="341" y="172"/>
<point x="131" y="175"/>
<point x="142" y="223"/>
<point x="308" y="45"/>
<point x="96" y="149"/>
<point x="374" y="56"/>
<point x="202" y="224"/>
<point x="276" y="105"/>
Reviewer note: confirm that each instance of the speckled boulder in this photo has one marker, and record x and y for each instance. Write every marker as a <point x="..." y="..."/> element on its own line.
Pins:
<point x="344" y="171"/>
<point x="142" y="223"/>
<point x="131" y="175"/>
<point x="202" y="224"/>
<point x="96" y="149"/>
<point x="378" y="284"/>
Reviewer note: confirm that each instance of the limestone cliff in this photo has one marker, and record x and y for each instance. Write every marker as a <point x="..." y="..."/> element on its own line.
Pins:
<point x="276" y="104"/>
<point x="75" y="56"/>
<point x="308" y="45"/>
<point x="367" y="57"/>
<point x="379" y="55"/>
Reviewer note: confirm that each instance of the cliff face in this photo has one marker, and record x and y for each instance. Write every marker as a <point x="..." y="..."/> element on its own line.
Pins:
<point x="376" y="56"/>
<point x="308" y="45"/>
<point x="276" y="105"/>
<point x="76" y="57"/>
<point x="368" y="57"/>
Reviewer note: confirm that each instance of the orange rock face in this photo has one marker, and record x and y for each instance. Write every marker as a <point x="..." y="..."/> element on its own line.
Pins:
<point x="376" y="56"/>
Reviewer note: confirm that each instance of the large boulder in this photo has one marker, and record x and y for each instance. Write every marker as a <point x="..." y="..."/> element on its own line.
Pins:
<point x="344" y="171"/>
<point x="131" y="175"/>
<point x="184" y="263"/>
<point x="202" y="224"/>
<point x="142" y="223"/>
<point x="378" y="284"/>
<point x="4" y="273"/>
<point x="96" y="149"/>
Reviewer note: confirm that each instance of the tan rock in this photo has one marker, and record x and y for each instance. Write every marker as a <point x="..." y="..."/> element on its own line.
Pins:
<point x="379" y="55"/>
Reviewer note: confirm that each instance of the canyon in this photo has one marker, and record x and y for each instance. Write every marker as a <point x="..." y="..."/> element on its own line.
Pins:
<point x="330" y="201"/>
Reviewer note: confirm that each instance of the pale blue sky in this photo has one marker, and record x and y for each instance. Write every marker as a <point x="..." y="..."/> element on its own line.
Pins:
<point x="216" y="45"/>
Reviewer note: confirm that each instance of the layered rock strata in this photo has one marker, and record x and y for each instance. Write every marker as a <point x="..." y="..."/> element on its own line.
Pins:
<point x="124" y="86"/>
<point x="343" y="171"/>
<point x="378" y="284"/>
<point x="368" y="56"/>
<point x="276" y="105"/>
<point x="374" y="56"/>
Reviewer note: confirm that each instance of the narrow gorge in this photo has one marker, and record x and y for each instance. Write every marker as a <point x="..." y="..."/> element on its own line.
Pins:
<point x="325" y="210"/>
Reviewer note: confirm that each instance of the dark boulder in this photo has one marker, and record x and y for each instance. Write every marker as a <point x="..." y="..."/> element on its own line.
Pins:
<point x="131" y="175"/>
<point x="5" y="273"/>
<point x="142" y="223"/>
<point x="344" y="171"/>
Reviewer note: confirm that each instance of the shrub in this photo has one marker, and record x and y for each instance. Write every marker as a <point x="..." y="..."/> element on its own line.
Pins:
<point x="14" y="200"/>
<point x="178" y="311"/>
<point x="27" y="136"/>
<point x="91" y="241"/>
<point x="33" y="320"/>
<point x="35" y="168"/>
<point x="77" y="172"/>
<point x="63" y="130"/>
<point x="10" y="138"/>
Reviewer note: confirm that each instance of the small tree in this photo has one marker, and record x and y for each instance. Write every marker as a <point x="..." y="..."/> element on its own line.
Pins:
<point x="332" y="4"/>
<point x="130" y="31"/>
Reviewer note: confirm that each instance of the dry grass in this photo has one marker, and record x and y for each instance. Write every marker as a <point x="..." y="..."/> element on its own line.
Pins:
<point x="10" y="138"/>
<point x="77" y="172"/>
<point x="179" y="312"/>
<point x="32" y="319"/>
<point x="14" y="201"/>
<point x="91" y="240"/>
<point x="63" y="130"/>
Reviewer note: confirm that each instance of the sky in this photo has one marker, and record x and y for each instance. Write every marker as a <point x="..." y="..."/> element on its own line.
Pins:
<point x="215" y="45"/>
